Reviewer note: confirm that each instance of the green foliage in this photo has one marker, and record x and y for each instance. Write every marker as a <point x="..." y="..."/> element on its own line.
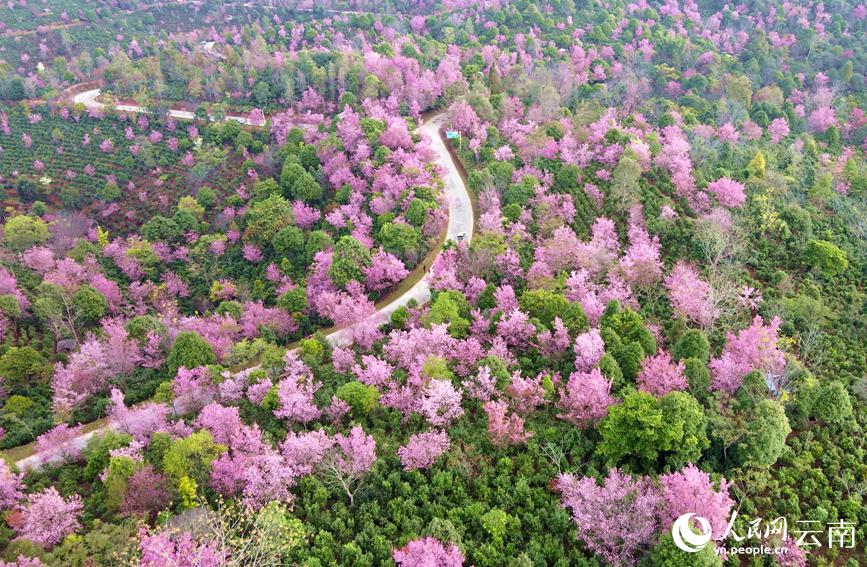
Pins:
<point x="826" y="257"/>
<point x="189" y="350"/>
<point x="22" y="365"/>
<point x="831" y="403"/>
<point x="266" y="218"/>
<point x="544" y="305"/>
<point x="360" y="397"/>
<point x="666" y="554"/>
<point x="22" y="232"/>
<point x="698" y="377"/>
<point x="400" y="239"/>
<point x="765" y="434"/>
<point x="140" y="326"/>
<point x="9" y="306"/>
<point x="691" y="344"/>
<point x="350" y="259"/>
<point x="191" y="457"/>
<point x="294" y="300"/>
<point x="649" y="434"/>
<point x="450" y="307"/>
<point x="89" y="304"/>
<point x="494" y="521"/>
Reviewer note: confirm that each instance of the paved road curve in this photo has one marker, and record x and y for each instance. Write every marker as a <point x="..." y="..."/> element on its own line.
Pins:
<point x="460" y="221"/>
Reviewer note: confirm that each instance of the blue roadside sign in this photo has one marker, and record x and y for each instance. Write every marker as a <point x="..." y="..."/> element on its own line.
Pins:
<point x="452" y="134"/>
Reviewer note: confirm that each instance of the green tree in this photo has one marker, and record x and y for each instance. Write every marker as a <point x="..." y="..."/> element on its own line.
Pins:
<point x="291" y="172"/>
<point x="645" y="433"/>
<point x="9" y="306"/>
<point x="417" y="212"/>
<point x="294" y="300"/>
<point x="756" y="167"/>
<point x="826" y="257"/>
<point x="189" y="350"/>
<point x="666" y="554"/>
<point x="543" y="305"/>
<point x="360" y="397"/>
<point x="691" y="344"/>
<point x="831" y="403"/>
<point x="192" y="456"/>
<point x="289" y="243"/>
<point x="765" y="432"/>
<point x="450" y="307"/>
<point x="90" y="305"/>
<point x="266" y="218"/>
<point x="22" y="232"/>
<point x="401" y="240"/>
<point x="350" y="259"/>
<point x="22" y="365"/>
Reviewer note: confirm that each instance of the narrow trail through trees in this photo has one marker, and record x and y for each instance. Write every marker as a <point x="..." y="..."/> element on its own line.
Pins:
<point x="461" y="222"/>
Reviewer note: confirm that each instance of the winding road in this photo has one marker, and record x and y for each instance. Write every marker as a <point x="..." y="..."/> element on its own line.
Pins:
<point x="461" y="221"/>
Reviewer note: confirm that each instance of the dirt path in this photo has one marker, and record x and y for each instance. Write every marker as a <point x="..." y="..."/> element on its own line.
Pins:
<point x="460" y="225"/>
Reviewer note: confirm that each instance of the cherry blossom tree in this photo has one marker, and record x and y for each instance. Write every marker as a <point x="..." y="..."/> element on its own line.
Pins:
<point x="589" y="348"/>
<point x="586" y="398"/>
<point x="348" y="461"/>
<point x="47" y="517"/>
<point x="423" y="449"/>
<point x="659" y="375"/>
<point x="603" y="512"/>
<point x="428" y="552"/>
<point x="690" y="295"/>
<point x="166" y="549"/>
<point x="295" y="392"/>
<point x="753" y="348"/>
<point x="504" y="429"/>
<point x="302" y="452"/>
<point x="60" y="443"/>
<point x="11" y="487"/>
<point x="139" y="421"/>
<point x="728" y="192"/>
<point x="641" y="263"/>
<point x="691" y="490"/>
<point x="385" y="270"/>
<point x="147" y="491"/>
<point x="440" y="403"/>
<point x="223" y="422"/>
<point x="778" y="129"/>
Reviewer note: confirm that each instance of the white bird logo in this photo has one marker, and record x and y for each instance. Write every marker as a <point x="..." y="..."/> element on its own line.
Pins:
<point x="686" y="538"/>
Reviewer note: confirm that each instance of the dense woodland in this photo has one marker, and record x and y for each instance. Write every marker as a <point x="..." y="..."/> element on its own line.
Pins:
<point x="661" y="309"/>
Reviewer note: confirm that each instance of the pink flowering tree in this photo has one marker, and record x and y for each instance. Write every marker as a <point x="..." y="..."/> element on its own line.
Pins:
<point x="690" y="296"/>
<point x="423" y="449"/>
<point x="11" y="487"/>
<point x="166" y="549"/>
<point x="616" y="519"/>
<point x="691" y="490"/>
<point x="384" y="271"/>
<point x="659" y="375"/>
<point x="295" y="392"/>
<point x="588" y="348"/>
<point x="728" y="192"/>
<point x="778" y="129"/>
<point x="586" y="398"/>
<point x="504" y="428"/>
<point x="60" y="444"/>
<point x="47" y="517"/>
<point x="753" y="348"/>
<point x="348" y="461"/>
<point x="430" y="552"/>
<point x="139" y="421"/>
<point x="440" y="403"/>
